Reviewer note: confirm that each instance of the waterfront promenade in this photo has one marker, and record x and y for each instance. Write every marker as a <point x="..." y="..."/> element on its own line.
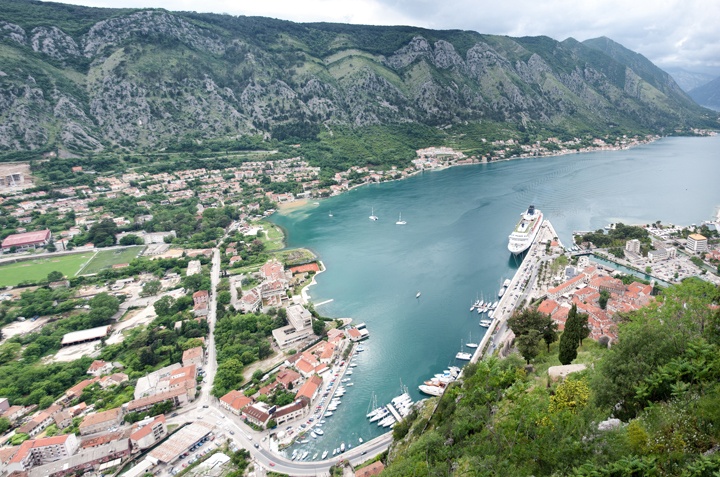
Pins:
<point x="522" y="286"/>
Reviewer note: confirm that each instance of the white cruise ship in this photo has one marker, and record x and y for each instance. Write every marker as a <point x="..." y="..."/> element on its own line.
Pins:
<point x="525" y="231"/>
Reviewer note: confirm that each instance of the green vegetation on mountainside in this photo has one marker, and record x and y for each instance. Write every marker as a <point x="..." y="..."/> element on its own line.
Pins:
<point x="660" y="379"/>
<point x="122" y="81"/>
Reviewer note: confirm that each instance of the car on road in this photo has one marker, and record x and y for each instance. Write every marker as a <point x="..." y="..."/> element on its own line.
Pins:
<point x="257" y="446"/>
<point x="272" y="464"/>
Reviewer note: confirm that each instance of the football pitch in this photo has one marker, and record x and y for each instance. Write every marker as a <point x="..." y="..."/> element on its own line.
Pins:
<point x="38" y="269"/>
<point x="107" y="258"/>
<point x="85" y="263"/>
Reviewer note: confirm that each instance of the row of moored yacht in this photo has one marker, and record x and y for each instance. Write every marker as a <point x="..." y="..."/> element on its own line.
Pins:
<point x="387" y="415"/>
<point x="436" y="385"/>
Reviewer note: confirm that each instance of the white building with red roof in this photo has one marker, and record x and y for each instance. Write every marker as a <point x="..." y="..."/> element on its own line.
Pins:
<point x="36" y="452"/>
<point x="291" y="411"/>
<point x="101" y="421"/>
<point x="99" y="367"/>
<point x="235" y="401"/>
<point x="27" y="240"/>
<point x="147" y="432"/>
<point x="257" y="413"/>
<point x="273" y="270"/>
<point x="309" y="389"/>
<point x="193" y="356"/>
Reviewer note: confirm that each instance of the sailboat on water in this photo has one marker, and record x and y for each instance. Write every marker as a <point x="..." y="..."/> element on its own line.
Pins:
<point x="471" y="344"/>
<point x="372" y="214"/>
<point x="400" y="221"/>
<point x="461" y="355"/>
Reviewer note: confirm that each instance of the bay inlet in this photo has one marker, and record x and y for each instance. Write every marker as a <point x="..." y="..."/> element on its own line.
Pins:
<point x="453" y="248"/>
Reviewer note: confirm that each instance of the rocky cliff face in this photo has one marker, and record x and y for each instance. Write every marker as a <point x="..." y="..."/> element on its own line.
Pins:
<point x="146" y="79"/>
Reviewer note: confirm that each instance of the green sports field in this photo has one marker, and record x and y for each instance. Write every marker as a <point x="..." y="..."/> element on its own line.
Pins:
<point x="70" y="265"/>
<point x="107" y="258"/>
<point x="38" y="269"/>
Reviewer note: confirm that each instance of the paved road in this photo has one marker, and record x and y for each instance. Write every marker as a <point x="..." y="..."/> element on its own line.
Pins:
<point x="207" y="409"/>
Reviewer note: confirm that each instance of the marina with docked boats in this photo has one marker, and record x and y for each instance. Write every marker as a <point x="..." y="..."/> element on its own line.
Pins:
<point x="311" y="442"/>
<point x="453" y="247"/>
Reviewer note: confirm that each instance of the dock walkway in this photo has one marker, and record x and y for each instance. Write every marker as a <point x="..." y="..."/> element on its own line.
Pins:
<point x="498" y="333"/>
<point x="394" y="412"/>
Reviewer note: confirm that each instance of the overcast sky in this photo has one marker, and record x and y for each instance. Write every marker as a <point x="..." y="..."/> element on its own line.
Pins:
<point x="671" y="33"/>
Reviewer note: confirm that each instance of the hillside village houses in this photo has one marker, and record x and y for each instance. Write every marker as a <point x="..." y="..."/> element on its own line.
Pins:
<point x="584" y="289"/>
<point x="303" y="374"/>
<point x="103" y="435"/>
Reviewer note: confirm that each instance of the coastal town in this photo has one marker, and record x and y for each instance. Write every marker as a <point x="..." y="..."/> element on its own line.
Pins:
<point x="175" y="347"/>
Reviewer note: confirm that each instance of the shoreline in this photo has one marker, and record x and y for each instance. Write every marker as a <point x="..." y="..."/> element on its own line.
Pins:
<point x="300" y="203"/>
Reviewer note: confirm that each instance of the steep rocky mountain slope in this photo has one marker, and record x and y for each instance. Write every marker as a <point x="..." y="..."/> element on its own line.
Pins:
<point x="84" y="79"/>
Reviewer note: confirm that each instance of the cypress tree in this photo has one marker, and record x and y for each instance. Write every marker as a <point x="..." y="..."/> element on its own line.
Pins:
<point x="572" y="336"/>
<point x="568" y="348"/>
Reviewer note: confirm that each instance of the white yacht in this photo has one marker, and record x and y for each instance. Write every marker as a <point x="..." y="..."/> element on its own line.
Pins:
<point x="431" y="390"/>
<point x="319" y="432"/>
<point x="525" y="231"/>
<point x="400" y="221"/>
<point x="324" y="454"/>
<point x="372" y="214"/>
<point x="463" y="356"/>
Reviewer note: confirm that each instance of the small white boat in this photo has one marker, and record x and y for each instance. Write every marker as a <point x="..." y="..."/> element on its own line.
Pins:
<point x="324" y="454"/>
<point x="330" y="214"/>
<point x="315" y="456"/>
<point x="342" y="447"/>
<point x="471" y="345"/>
<point x="463" y="356"/>
<point x="372" y="214"/>
<point x="334" y="451"/>
<point x="400" y="221"/>
<point x="304" y="455"/>
<point x="418" y="295"/>
<point x="485" y="323"/>
<point x="351" y="384"/>
<point x="328" y="414"/>
<point x="360" y="440"/>
<point x="313" y="435"/>
<point x="319" y="432"/>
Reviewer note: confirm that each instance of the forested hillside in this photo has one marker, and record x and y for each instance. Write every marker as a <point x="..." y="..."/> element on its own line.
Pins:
<point x="660" y="381"/>
<point x="77" y="80"/>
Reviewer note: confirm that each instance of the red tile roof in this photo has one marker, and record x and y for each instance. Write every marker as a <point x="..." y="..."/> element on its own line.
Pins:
<point x="548" y="307"/>
<point x="236" y="400"/>
<point x="27" y="238"/>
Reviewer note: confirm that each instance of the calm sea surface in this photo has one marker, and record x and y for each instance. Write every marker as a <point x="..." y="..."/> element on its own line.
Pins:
<point x="453" y="249"/>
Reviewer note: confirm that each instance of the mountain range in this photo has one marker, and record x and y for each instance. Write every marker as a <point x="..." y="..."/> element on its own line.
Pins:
<point x="708" y="94"/>
<point x="78" y="80"/>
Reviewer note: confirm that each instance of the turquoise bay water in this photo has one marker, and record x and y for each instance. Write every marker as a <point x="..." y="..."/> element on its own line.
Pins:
<point x="453" y="249"/>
